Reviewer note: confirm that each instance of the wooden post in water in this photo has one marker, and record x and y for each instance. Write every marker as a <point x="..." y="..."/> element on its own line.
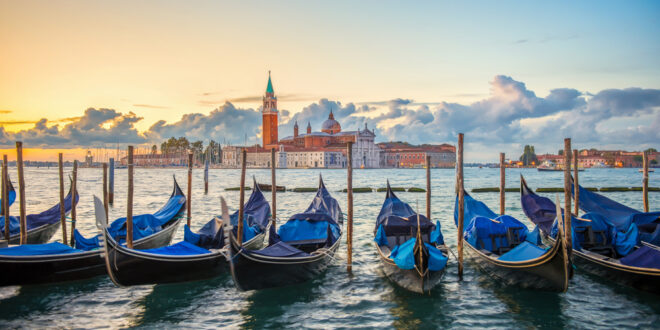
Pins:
<point x="189" y="202"/>
<point x="206" y="172"/>
<point x="5" y="195"/>
<point x="21" y="190"/>
<point x="428" y="187"/>
<point x="576" y="183"/>
<point x="645" y="180"/>
<point x="502" y="184"/>
<point x="273" y="183"/>
<point x="461" y="202"/>
<point x="111" y="189"/>
<point x="106" y="196"/>
<point x="129" y="201"/>
<point x="349" y="194"/>
<point x="567" y="194"/>
<point x="74" y="189"/>
<point x="241" y="209"/>
<point x="62" y="212"/>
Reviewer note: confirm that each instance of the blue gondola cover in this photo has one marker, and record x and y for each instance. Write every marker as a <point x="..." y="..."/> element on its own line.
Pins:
<point x="49" y="216"/>
<point x="644" y="257"/>
<point x="38" y="249"/>
<point x="404" y="256"/>
<point x="380" y="237"/>
<point x="523" y="252"/>
<point x="85" y="244"/>
<point x="279" y="249"/>
<point x="182" y="248"/>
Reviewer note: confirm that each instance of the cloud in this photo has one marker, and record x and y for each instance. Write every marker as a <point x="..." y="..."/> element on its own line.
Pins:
<point x="224" y="123"/>
<point x="6" y="111"/>
<point x="150" y="106"/>
<point x="509" y="117"/>
<point x="95" y="127"/>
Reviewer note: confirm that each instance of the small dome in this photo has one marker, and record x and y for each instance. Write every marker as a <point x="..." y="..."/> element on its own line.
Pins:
<point x="331" y="126"/>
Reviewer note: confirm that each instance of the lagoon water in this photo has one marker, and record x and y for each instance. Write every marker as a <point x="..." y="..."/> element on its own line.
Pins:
<point x="336" y="299"/>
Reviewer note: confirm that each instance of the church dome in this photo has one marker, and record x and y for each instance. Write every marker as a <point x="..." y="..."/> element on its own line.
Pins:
<point x="331" y="126"/>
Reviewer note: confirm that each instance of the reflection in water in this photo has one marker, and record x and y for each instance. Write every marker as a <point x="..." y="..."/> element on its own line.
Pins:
<point x="175" y="303"/>
<point x="38" y="299"/>
<point x="267" y="308"/>
<point x="529" y="308"/>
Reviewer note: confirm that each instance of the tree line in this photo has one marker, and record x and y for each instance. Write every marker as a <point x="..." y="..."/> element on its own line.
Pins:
<point x="182" y="144"/>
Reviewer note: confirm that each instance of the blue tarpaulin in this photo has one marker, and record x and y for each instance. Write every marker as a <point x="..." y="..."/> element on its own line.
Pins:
<point x="523" y="252"/>
<point x="256" y="214"/>
<point x="617" y="214"/>
<point x="182" y="248"/>
<point x="11" y="195"/>
<point x="644" y="257"/>
<point x="540" y="210"/>
<point x="472" y="208"/>
<point x="479" y="230"/>
<point x="49" y="216"/>
<point x="38" y="249"/>
<point x="380" y="237"/>
<point x="398" y="217"/>
<point x="279" y="249"/>
<point x="313" y="224"/>
<point x="534" y="236"/>
<point x="404" y="256"/>
<point x="85" y="244"/>
<point x="436" y="234"/>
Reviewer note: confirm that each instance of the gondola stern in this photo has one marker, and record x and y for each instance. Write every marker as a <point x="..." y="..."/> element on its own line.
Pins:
<point x="177" y="190"/>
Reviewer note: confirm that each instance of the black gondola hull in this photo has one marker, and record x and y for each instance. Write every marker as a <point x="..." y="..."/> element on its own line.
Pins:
<point x="550" y="272"/>
<point x="410" y="279"/>
<point x="37" y="235"/>
<point x="128" y="267"/>
<point x="22" y="270"/>
<point x="255" y="272"/>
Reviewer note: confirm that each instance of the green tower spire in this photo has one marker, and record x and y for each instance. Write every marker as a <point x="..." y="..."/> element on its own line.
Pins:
<point x="269" y="88"/>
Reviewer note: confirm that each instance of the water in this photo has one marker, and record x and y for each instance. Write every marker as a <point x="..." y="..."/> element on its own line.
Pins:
<point x="335" y="299"/>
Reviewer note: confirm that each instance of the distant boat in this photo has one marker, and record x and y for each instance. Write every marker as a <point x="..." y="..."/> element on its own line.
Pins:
<point x="548" y="166"/>
<point x="600" y="165"/>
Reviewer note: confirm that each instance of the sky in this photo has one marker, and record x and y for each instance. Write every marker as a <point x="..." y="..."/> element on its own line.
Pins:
<point x="83" y="74"/>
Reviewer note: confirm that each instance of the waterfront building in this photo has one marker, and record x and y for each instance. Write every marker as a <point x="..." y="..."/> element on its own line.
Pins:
<point x="402" y="155"/>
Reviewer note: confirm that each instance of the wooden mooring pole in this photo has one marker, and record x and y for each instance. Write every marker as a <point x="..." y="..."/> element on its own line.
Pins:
<point x="106" y="194"/>
<point x="241" y="209"/>
<point x="5" y="196"/>
<point x="349" y="194"/>
<point x="567" y="194"/>
<point x="428" y="187"/>
<point x="74" y="190"/>
<point x="206" y="172"/>
<point x="645" y="180"/>
<point x="21" y="190"/>
<point x="273" y="183"/>
<point x="129" y="201"/>
<point x="62" y="211"/>
<point x="189" y="202"/>
<point x="111" y="189"/>
<point x="576" y="183"/>
<point x="502" y="184"/>
<point x="461" y="202"/>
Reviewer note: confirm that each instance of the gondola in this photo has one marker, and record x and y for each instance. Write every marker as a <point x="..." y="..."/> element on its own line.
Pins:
<point x="411" y="248"/>
<point x="598" y="246"/>
<point x="41" y="226"/>
<point x="56" y="262"/>
<point x="503" y="247"/>
<point x="199" y="256"/>
<point x="300" y="250"/>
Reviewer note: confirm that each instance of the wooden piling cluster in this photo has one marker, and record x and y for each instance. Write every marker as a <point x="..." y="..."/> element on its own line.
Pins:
<point x="428" y="187"/>
<point x="206" y="172"/>
<point x="106" y="194"/>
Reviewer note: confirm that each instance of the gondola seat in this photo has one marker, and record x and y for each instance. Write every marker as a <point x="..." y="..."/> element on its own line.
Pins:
<point x="595" y="241"/>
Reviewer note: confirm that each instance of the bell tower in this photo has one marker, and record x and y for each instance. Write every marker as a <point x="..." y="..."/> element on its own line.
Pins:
<point x="269" y="116"/>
